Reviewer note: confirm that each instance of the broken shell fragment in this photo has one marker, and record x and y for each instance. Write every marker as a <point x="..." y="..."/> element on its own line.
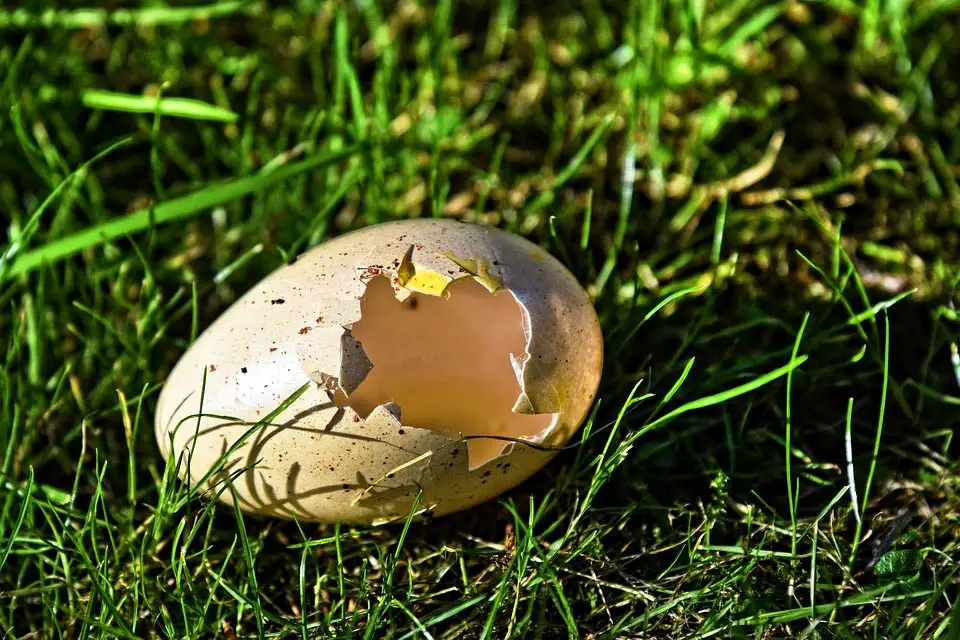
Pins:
<point x="423" y="357"/>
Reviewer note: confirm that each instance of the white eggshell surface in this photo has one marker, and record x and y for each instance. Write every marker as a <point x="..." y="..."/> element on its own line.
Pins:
<point x="318" y="461"/>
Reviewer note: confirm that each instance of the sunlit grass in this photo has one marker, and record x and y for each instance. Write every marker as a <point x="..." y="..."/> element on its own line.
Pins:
<point x="760" y="198"/>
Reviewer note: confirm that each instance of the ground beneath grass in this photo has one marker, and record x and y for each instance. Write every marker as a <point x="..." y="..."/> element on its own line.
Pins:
<point x="762" y="198"/>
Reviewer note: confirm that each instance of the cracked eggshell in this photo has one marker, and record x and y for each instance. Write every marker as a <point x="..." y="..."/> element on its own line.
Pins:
<point x="319" y="461"/>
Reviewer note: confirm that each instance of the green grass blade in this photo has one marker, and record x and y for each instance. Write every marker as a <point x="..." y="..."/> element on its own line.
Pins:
<point x="788" y="454"/>
<point x="7" y="267"/>
<point x="251" y="562"/>
<point x="172" y="107"/>
<point x="876" y="442"/>
<point x="724" y="396"/>
<point x="11" y="538"/>
<point x="166" y="212"/>
<point x="19" y="19"/>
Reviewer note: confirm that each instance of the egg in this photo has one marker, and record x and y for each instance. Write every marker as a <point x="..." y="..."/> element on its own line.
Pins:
<point x="421" y="362"/>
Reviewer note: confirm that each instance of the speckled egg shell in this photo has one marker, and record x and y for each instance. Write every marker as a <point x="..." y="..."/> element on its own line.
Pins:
<point x="318" y="461"/>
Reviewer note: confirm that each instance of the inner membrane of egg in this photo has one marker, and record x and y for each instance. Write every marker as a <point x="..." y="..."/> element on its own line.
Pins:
<point x="450" y="362"/>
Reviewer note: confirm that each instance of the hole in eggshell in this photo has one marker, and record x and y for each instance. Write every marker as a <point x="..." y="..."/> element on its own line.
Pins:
<point x="446" y="361"/>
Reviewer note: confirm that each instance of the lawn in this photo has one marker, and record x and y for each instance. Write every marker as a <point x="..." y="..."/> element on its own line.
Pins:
<point x="762" y="200"/>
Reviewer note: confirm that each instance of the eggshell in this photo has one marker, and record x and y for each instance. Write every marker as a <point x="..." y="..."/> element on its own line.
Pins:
<point x="318" y="459"/>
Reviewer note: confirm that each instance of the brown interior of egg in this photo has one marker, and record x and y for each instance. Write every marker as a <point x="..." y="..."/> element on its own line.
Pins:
<point x="446" y="362"/>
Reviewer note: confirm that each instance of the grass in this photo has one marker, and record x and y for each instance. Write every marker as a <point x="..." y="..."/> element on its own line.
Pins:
<point x="762" y="198"/>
